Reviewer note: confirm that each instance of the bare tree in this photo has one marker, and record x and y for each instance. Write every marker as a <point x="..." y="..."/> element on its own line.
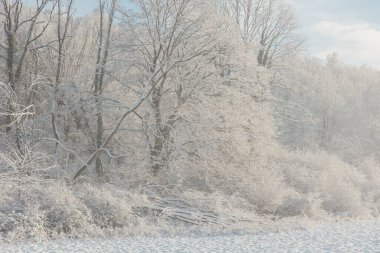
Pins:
<point x="132" y="109"/>
<point x="18" y="112"/>
<point x="267" y="24"/>
<point x="276" y="33"/>
<point x="20" y="31"/>
<point x="247" y="15"/>
<point x="15" y="26"/>
<point x="62" y="33"/>
<point x="172" y="33"/>
<point x="104" y="40"/>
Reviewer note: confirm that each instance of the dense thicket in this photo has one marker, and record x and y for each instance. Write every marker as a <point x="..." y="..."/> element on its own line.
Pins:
<point x="111" y="120"/>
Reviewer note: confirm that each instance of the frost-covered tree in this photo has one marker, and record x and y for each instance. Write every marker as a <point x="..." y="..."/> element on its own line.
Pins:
<point x="269" y="25"/>
<point x="174" y="40"/>
<point x="176" y="110"/>
<point x="331" y="108"/>
<point x="22" y="26"/>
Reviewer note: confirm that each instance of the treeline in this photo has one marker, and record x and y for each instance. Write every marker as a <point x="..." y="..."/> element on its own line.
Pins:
<point x="331" y="106"/>
<point x="119" y="80"/>
<point x="186" y="99"/>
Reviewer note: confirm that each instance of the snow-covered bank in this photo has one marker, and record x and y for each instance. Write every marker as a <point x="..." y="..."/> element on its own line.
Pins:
<point x="355" y="236"/>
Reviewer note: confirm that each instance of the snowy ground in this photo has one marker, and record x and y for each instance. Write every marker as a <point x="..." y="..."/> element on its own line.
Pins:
<point x="358" y="236"/>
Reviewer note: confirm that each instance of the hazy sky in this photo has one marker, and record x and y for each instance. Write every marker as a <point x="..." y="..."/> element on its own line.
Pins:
<point x="86" y="6"/>
<point x="349" y="27"/>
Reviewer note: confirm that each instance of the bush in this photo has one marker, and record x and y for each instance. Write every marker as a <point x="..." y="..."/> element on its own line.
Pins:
<point x="15" y="226"/>
<point x="337" y="185"/>
<point x="64" y="214"/>
<point x="344" y="199"/>
<point x="107" y="210"/>
<point x="300" y="205"/>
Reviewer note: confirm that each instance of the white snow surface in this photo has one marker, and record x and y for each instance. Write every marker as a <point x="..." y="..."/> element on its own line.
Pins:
<point x="354" y="236"/>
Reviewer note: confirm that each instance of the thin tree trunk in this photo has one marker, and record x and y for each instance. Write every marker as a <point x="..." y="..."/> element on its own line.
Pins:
<point x="159" y="150"/>
<point x="156" y="149"/>
<point x="10" y="61"/>
<point x="101" y="62"/>
<point x="61" y="35"/>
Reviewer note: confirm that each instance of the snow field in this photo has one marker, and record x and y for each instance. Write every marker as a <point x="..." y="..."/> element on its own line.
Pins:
<point x="345" y="237"/>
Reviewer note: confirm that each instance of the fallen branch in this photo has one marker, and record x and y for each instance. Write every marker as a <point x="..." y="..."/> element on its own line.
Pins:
<point x="185" y="212"/>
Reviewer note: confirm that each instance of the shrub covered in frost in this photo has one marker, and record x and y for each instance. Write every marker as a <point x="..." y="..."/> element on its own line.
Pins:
<point x="300" y="205"/>
<point x="15" y="225"/>
<point x="107" y="210"/>
<point x="336" y="185"/>
<point x="64" y="214"/>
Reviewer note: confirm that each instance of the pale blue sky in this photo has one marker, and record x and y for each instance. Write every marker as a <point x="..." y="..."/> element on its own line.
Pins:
<point x="86" y="6"/>
<point x="349" y="27"/>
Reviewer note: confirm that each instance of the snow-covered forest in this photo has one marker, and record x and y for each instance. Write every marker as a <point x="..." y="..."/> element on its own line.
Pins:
<point x="172" y="115"/>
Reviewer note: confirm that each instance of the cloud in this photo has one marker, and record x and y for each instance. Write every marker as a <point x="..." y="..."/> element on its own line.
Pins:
<point x="355" y="43"/>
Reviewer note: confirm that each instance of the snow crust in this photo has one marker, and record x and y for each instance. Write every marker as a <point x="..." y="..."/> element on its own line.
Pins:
<point x="353" y="236"/>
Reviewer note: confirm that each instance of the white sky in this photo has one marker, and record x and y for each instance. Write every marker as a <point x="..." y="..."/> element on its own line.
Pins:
<point x="349" y="27"/>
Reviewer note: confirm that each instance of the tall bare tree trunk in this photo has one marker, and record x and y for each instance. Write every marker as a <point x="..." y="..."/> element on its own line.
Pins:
<point x="12" y="13"/>
<point x="101" y="61"/>
<point x="61" y="36"/>
<point x="156" y="148"/>
<point x="10" y="40"/>
<point x="159" y="151"/>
